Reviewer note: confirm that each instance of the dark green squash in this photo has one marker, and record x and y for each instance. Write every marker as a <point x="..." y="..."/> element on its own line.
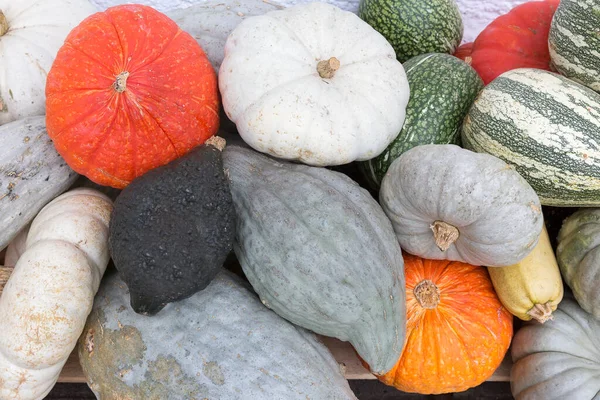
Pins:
<point x="172" y="228"/>
<point x="320" y="252"/>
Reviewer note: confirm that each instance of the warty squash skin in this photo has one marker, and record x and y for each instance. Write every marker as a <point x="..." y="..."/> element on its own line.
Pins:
<point x="31" y="174"/>
<point x="578" y="255"/>
<point x="558" y="360"/>
<point x="531" y="288"/>
<point x="46" y="301"/>
<point x="450" y="203"/>
<point x="320" y="252"/>
<point x="221" y="343"/>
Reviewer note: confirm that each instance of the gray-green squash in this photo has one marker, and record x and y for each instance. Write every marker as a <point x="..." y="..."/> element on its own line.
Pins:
<point x="578" y="256"/>
<point x="221" y="343"/>
<point x="449" y="203"/>
<point x="557" y="360"/>
<point x="320" y="252"/>
<point x="32" y="173"/>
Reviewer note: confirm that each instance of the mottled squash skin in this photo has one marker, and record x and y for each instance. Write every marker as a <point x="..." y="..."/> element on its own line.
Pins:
<point x="320" y="252"/>
<point x="221" y="343"/>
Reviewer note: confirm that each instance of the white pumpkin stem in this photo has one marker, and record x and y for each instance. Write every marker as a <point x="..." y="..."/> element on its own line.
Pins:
<point x="121" y="82"/>
<point x="5" y="273"/>
<point x="444" y="234"/>
<point x="541" y="312"/>
<point x="327" y="68"/>
<point x="216" y="141"/>
<point x="3" y="24"/>
<point x="427" y="294"/>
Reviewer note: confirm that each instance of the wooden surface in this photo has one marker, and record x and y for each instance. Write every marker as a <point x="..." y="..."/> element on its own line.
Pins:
<point x="342" y="351"/>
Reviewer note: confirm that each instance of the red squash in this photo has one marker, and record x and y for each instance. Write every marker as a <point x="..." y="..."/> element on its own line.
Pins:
<point x="518" y="39"/>
<point x="464" y="52"/>
<point x="129" y="91"/>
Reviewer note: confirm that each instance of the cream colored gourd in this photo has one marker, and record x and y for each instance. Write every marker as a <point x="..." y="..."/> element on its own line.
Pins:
<point x="31" y="32"/>
<point x="313" y="83"/>
<point x="46" y="301"/>
<point x="531" y="288"/>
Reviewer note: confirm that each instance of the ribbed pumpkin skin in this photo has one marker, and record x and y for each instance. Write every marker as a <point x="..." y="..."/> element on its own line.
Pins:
<point x="458" y="344"/>
<point x="320" y="252"/>
<point x="169" y="106"/>
<point x="557" y="360"/>
<point x="547" y="127"/>
<point x="578" y="256"/>
<point x="221" y="343"/>
<point x="442" y="89"/>
<point x="574" y="41"/>
<point x="415" y="27"/>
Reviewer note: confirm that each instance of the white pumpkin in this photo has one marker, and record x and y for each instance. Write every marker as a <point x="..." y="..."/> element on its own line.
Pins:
<point x="31" y="32"/>
<point x="46" y="301"/>
<point x="313" y="83"/>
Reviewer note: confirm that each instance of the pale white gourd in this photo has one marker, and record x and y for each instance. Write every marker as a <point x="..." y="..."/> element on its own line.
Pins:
<point x="46" y="301"/>
<point x="313" y="83"/>
<point x="31" y="32"/>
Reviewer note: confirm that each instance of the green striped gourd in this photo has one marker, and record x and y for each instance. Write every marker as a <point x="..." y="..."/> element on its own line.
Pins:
<point x="442" y="89"/>
<point x="545" y="125"/>
<point x="574" y="41"/>
<point x="415" y="27"/>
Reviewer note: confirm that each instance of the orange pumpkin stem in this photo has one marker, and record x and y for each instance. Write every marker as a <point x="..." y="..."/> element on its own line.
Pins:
<point x="3" y="24"/>
<point x="121" y="82"/>
<point x="444" y="234"/>
<point x="327" y="68"/>
<point x="427" y="294"/>
<point x="541" y="312"/>
<point x="5" y="273"/>
<point x="216" y="141"/>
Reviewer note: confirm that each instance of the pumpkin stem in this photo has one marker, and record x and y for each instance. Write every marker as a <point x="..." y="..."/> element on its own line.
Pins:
<point x="444" y="234"/>
<point x="3" y="24"/>
<point x="216" y="141"/>
<point x="327" y="68"/>
<point x="121" y="82"/>
<point x="541" y="312"/>
<point x="427" y="294"/>
<point x="5" y="273"/>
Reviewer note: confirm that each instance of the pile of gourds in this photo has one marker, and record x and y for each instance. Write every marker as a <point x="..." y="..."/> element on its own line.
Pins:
<point x="375" y="182"/>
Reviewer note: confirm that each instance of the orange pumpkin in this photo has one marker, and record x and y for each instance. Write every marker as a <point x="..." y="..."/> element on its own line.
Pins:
<point x="458" y="332"/>
<point x="129" y="91"/>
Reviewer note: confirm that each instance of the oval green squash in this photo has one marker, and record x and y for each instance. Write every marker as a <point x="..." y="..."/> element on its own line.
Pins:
<point x="547" y="127"/>
<point x="415" y="27"/>
<point x="442" y="89"/>
<point x="578" y="256"/>
<point x="320" y="252"/>
<point x="32" y="173"/>
<point x="221" y="343"/>
<point x="574" y="42"/>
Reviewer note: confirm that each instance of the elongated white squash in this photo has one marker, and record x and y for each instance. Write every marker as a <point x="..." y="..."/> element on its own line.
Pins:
<point x="46" y="301"/>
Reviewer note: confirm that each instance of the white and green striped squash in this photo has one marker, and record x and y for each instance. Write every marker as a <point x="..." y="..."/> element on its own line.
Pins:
<point x="574" y="41"/>
<point x="547" y="127"/>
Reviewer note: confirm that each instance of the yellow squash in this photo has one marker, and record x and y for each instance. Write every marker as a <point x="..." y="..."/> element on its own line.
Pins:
<point x="533" y="287"/>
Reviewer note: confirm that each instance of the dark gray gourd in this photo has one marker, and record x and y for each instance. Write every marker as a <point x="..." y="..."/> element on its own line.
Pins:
<point x="172" y="228"/>
<point x="320" y="252"/>
<point x="221" y="343"/>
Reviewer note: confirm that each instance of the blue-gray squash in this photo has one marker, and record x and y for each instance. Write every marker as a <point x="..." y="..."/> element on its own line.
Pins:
<point x="320" y="252"/>
<point x="32" y="173"/>
<point x="221" y="343"/>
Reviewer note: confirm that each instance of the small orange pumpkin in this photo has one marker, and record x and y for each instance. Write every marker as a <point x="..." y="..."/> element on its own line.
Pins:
<point x="129" y="91"/>
<point x="458" y="332"/>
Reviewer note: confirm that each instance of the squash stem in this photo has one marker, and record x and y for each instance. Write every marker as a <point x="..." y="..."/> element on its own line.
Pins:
<point x="541" y="312"/>
<point x="427" y="294"/>
<point x="327" y="68"/>
<point x="5" y="273"/>
<point x="217" y="142"/>
<point x="3" y="24"/>
<point x="121" y="82"/>
<point x="444" y="234"/>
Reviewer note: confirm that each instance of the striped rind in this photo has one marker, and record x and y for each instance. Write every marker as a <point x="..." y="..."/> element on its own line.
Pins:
<point x="548" y="127"/>
<point x="415" y="27"/>
<point x="574" y="41"/>
<point x="442" y="89"/>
